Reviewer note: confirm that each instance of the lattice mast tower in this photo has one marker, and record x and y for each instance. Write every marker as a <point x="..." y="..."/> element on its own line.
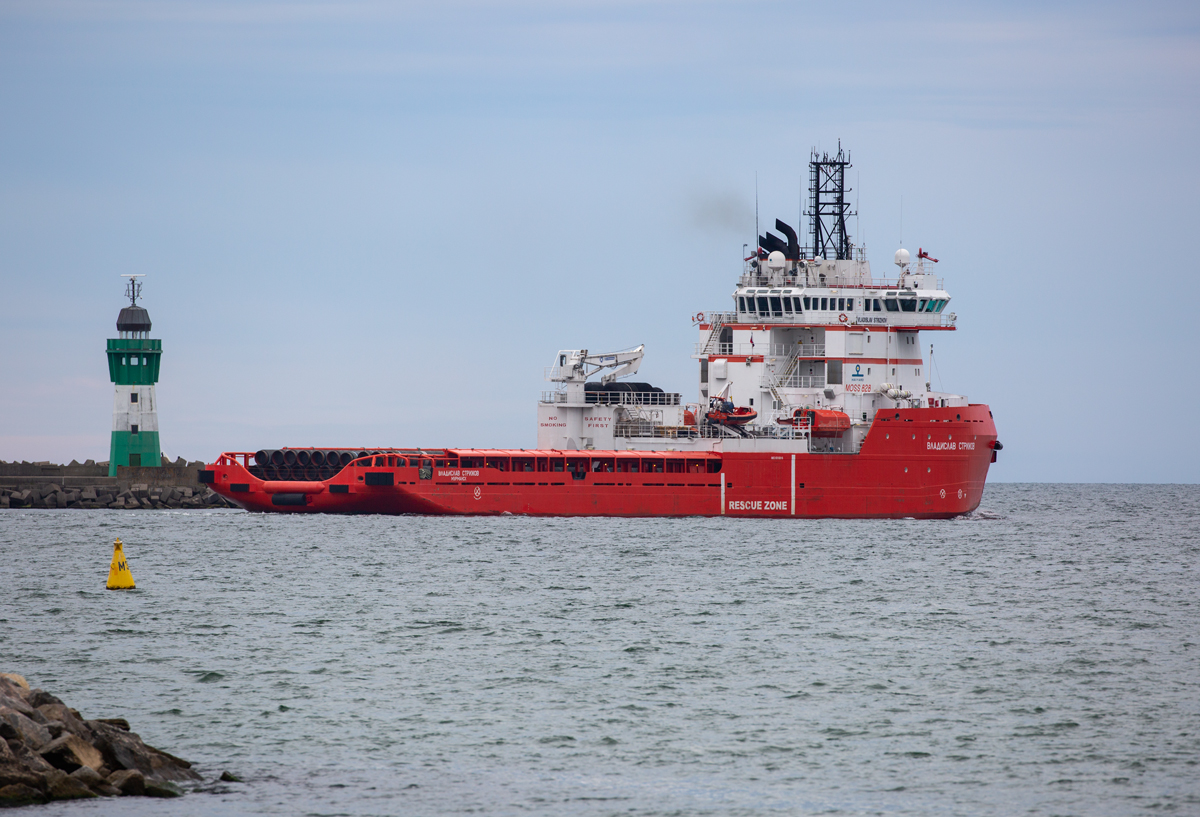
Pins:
<point x="828" y="208"/>
<point x="133" y="360"/>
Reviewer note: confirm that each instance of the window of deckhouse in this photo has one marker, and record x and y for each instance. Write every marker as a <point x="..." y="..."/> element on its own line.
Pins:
<point x="776" y="306"/>
<point x="796" y="301"/>
<point x="763" y="308"/>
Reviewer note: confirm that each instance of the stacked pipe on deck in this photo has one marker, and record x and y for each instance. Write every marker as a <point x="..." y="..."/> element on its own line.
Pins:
<point x="302" y="464"/>
<point x="612" y="393"/>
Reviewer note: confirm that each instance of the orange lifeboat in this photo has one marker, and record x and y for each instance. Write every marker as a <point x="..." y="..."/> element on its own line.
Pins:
<point x="825" y="423"/>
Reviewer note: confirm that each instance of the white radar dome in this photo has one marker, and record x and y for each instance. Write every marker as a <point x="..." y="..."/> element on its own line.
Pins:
<point x="776" y="260"/>
<point x="901" y="257"/>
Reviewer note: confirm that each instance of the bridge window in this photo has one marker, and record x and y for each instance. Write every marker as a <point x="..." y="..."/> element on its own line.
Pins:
<point x="750" y="305"/>
<point x="787" y="305"/>
<point x="908" y="304"/>
<point x="806" y="306"/>
<point x="741" y="304"/>
<point x="796" y="301"/>
<point x="763" y="309"/>
<point x="892" y="304"/>
<point x="776" y="306"/>
<point x="824" y="304"/>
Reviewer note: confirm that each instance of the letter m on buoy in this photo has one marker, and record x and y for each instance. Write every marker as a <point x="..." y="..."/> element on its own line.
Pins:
<point x="119" y="577"/>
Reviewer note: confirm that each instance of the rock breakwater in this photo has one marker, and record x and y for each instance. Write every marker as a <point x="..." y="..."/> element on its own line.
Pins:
<point x="136" y="497"/>
<point x="48" y="751"/>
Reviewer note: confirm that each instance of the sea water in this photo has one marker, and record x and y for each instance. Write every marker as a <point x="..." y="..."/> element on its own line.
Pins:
<point x="1039" y="656"/>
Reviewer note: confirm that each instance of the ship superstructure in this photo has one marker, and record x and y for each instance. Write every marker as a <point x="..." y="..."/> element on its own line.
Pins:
<point x="813" y="399"/>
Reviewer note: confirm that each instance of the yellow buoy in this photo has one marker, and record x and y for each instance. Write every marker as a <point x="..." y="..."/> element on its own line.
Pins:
<point x="119" y="577"/>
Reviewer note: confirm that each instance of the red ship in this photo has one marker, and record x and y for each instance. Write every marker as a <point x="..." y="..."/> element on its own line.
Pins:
<point x="825" y="358"/>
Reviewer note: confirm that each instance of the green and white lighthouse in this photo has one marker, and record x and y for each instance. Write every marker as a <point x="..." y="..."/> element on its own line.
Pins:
<point x="133" y="366"/>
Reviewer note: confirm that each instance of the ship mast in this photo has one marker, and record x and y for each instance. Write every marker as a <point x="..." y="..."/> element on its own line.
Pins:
<point x="827" y="205"/>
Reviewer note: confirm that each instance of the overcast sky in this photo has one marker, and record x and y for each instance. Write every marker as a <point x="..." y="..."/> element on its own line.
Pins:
<point x="375" y="223"/>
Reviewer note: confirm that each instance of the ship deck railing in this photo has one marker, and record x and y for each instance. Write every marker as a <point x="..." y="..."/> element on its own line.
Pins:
<point x="779" y="281"/>
<point x="793" y="380"/>
<point x="618" y="398"/>
<point x="811" y="350"/>
<point x="706" y="431"/>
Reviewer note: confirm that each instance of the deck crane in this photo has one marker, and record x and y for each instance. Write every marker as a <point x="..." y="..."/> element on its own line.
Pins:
<point x="574" y="366"/>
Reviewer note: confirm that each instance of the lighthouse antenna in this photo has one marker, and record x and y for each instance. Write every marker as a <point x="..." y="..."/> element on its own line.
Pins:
<point x="133" y="290"/>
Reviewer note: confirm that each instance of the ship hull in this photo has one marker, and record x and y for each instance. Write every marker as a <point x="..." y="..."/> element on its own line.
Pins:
<point x="920" y="463"/>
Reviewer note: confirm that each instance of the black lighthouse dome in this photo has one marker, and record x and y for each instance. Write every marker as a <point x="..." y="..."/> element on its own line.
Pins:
<point x="133" y="319"/>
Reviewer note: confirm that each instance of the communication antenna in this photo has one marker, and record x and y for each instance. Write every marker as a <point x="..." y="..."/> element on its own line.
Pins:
<point x="756" y="233"/>
<point x="133" y="289"/>
<point x="901" y="219"/>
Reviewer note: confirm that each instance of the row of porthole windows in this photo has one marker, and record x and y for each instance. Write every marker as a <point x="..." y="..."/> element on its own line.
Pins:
<point x="780" y="305"/>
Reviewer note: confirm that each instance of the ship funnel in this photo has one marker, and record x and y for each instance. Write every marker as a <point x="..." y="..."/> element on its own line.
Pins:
<point x="772" y="243"/>
<point x="793" y="242"/>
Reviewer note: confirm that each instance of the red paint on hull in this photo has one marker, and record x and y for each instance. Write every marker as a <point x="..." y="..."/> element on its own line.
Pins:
<point x="923" y="463"/>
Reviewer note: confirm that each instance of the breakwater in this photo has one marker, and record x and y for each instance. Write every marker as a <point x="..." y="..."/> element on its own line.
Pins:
<point x="48" y="751"/>
<point x="134" y="498"/>
<point x="87" y="486"/>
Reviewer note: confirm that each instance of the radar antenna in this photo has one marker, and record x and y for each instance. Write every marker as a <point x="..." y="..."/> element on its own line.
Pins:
<point x="133" y="289"/>
<point x="827" y="204"/>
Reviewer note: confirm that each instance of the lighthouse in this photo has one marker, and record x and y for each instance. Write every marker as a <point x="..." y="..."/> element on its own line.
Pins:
<point x="133" y="360"/>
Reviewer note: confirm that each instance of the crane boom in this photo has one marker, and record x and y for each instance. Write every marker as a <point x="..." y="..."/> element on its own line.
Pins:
<point x="577" y="365"/>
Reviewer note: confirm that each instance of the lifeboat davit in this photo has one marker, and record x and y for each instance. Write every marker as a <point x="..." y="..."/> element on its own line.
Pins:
<point x="799" y="418"/>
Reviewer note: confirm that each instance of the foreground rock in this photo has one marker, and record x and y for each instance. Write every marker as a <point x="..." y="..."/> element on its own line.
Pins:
<point x="48" y="751"/>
